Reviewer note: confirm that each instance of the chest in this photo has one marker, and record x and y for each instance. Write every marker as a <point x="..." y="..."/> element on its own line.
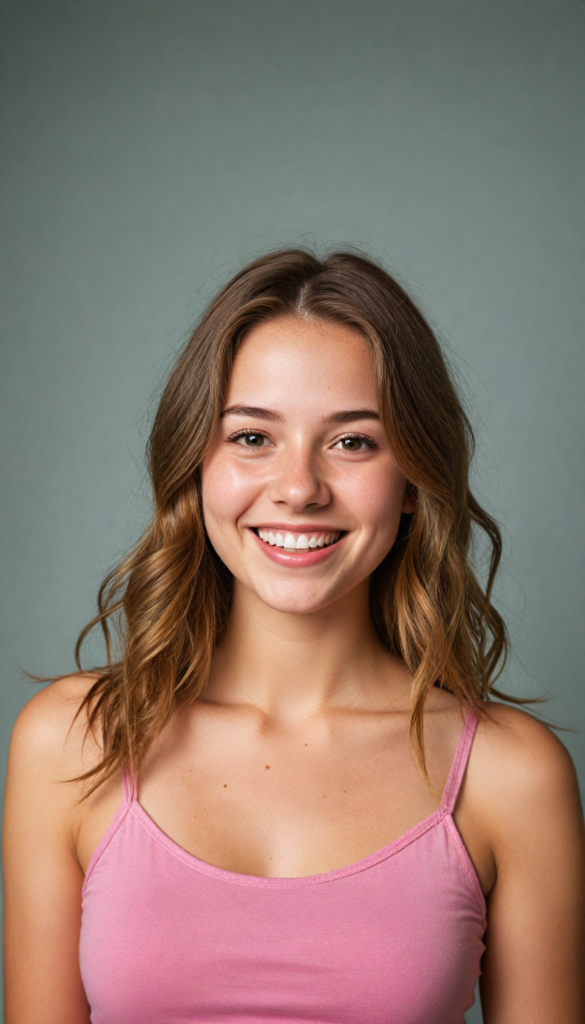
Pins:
<point x="286" y="803"/>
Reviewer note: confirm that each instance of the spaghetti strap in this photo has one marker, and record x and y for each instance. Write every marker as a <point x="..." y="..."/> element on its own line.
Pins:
<point x="129" y="790"/>
<point x="451" y="791"/>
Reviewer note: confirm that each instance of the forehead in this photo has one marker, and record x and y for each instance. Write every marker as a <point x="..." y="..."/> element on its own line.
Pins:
<point x="300" y="362"/>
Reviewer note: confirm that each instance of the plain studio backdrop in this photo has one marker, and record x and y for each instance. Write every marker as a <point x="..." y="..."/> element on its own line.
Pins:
<point x="150" y="147"/>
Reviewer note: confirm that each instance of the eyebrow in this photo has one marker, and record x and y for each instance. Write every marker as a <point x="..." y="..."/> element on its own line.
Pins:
<point x="353" y="414"/>
<point x="344" y="416"/>
<point x="252" y="410"/>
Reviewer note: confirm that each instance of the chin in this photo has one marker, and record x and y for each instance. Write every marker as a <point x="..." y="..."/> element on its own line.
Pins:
<point x="303" y="602"/>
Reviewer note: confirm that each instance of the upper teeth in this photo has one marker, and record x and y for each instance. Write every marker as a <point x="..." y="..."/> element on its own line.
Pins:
<point x="301" y="543"/>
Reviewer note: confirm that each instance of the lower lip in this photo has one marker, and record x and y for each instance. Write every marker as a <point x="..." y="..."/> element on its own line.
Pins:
<point x="294" y="558"/>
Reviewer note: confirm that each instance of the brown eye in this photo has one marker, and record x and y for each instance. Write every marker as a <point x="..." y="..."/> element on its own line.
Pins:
<point x="252" y="440"/>
<point x="351" y="444"/>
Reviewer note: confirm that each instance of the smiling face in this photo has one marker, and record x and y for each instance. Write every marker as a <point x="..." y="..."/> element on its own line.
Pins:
<point x="301" y="495"/>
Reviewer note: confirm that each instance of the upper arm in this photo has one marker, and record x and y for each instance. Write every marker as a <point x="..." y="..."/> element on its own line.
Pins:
<point x="533" y="965"/>
<point x="42" y="876"/>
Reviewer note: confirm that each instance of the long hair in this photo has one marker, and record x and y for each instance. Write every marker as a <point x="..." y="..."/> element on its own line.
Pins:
<point x="163" y="609"/>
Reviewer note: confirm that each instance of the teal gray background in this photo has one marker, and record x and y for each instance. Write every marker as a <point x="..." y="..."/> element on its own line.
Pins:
<point x="152" y="146"/>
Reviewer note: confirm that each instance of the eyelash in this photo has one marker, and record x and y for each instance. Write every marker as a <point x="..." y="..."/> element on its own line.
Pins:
<point x="358" y="437"/>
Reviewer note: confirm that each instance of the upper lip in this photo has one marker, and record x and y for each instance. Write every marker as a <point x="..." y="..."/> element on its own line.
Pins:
<point x="298" y="527"/>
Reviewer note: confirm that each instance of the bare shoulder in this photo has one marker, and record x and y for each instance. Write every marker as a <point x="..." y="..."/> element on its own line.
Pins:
<point x="524" y="816"/>
<point x="43" y="876"/>
<point x="50" y="739"/>
<point x="521" y="774"/>
<point x="521" y="750"/>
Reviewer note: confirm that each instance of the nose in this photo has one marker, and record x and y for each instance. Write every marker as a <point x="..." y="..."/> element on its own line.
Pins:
<point x="297" y="480"/>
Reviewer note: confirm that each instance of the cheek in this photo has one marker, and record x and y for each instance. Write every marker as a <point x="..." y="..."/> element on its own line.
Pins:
<point x="227" y="491"/>
<point x="375" y="498"/>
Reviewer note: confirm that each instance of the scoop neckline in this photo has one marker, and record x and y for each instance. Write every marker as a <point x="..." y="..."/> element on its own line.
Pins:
<point x="266" y="881"/>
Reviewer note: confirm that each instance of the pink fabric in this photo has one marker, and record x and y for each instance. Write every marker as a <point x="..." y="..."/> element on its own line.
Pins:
<point x="394" y="939"/>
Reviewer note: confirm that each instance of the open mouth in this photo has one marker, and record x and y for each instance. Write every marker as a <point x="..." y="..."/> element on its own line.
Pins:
<point x="299" y="541"/>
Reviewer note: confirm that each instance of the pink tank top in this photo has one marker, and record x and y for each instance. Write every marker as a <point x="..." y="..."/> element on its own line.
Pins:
<point x="394" y="939"/>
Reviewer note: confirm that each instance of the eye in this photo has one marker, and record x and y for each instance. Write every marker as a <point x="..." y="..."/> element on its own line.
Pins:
<point x="354" y="443"/>
<point x="250" y="439"/>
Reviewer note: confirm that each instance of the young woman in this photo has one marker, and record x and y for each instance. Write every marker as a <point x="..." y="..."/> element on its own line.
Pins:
<point x="294" y="797"/>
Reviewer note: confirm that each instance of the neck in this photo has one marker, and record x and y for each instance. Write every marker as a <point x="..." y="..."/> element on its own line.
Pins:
<point x="292" y="665"/>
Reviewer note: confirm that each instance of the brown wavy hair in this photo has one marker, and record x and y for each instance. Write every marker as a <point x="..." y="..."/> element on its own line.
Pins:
<point x="163" y="609"/>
